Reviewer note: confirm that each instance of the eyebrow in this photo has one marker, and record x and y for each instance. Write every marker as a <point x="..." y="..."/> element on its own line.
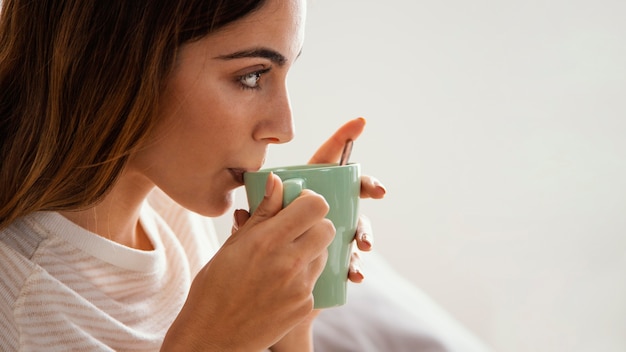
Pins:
<point x="265" y="53"/>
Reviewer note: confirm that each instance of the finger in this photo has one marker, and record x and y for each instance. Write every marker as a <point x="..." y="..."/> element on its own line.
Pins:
<point x="301" y="215"/>
<point x="331" y="150"/>
<point x="372" y="188"/>
<point x="240" y="217"/>
<point x="354" y="274"/>
<point x="363" y="234"/>
<point x="317" y="266"/>
<point x="318" y="237"/>
<point x="270" y="205"/>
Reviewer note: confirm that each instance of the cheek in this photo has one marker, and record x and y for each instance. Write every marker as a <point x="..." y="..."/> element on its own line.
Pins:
<point x="204" y="109"/>
<point x="188" y="125"/>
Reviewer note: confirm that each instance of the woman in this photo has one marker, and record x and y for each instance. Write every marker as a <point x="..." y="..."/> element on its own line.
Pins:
<point x="108" y="112"/>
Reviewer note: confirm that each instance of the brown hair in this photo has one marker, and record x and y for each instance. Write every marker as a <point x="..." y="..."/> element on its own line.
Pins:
<point x="79" y="84"/>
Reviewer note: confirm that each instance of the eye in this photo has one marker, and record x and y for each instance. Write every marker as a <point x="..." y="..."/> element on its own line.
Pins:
<point x="251" y="80"/>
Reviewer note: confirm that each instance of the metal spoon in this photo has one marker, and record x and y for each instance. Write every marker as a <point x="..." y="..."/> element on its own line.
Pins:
<point x="347" y="150"/>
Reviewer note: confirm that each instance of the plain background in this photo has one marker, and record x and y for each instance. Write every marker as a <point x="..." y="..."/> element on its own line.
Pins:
<point x="499" y="130"/>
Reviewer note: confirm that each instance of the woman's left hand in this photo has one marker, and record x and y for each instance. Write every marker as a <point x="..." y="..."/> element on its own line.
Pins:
<point x="330" y="152"/>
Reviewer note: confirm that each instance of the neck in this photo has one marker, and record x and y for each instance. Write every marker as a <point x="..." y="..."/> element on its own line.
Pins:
<point x="116" y="217"/>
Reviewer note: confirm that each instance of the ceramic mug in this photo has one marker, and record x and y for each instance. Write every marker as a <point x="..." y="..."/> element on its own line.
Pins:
<point x="340" y="185"/>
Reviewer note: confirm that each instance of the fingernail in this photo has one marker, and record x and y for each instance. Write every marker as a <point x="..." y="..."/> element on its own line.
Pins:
<point x="235" y="224"/>
<point x="269" y="185"/>
<point x="357" y="271"/>
<point x="365" y="238"/>
<point x="379" y="186"/>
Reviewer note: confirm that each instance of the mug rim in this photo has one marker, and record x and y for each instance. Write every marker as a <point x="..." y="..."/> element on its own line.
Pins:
<point x="302" y="167"/>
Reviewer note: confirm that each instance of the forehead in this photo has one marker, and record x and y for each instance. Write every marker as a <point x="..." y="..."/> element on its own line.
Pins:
<point x="278" y="24"/>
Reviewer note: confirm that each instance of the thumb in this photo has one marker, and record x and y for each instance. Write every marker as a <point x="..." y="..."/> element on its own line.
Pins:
<point x="272" y="202"/>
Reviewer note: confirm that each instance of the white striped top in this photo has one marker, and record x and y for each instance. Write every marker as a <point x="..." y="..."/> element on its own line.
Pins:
<point x="63" y="288"/>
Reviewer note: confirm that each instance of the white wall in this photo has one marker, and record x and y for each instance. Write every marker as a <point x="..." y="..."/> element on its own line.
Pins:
<point x="498" y="128"/>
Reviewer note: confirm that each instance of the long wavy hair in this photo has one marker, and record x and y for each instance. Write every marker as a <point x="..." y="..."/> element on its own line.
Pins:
<point x="80" y="81"/>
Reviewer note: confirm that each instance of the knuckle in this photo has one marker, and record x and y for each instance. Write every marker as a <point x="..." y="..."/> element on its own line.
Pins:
<point x="305" y="291"/>
<point x="328" y="229"/>
<point x="317" y="205"/>
<point x="316" y="268"/>
<point x="290" y="268"/>
<point x="321" y="260"/>
<point x="261" y="212"/>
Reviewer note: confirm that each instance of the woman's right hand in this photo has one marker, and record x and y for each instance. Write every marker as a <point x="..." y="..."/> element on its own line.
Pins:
<point x="259" y="285"/>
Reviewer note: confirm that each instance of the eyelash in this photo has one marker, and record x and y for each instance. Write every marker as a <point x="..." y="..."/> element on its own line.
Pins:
<point x="241" y="79"/>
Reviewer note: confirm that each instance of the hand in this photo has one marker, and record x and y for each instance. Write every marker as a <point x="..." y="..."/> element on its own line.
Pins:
<point x="259" y="285"/>
<point x="330" y="152"/>
<point x="301" y="336"/>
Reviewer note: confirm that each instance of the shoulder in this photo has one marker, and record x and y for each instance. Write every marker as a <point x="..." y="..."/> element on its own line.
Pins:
<point x="18" y="244"/>
<point x="23" y="236"/>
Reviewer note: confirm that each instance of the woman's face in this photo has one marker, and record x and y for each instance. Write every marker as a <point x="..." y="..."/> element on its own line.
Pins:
<point x="225" y="102"/>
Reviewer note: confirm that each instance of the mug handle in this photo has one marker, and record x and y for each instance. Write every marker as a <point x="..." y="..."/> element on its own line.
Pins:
<point x="292" y="189"/>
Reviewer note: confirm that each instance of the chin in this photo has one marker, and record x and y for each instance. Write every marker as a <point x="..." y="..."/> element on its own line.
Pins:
<point x="216" y="206"/>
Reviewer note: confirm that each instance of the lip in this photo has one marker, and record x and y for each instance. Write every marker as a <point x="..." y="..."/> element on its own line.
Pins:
<point x="237" y="172"/>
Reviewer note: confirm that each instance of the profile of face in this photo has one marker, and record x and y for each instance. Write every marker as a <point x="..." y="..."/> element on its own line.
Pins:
<point x="225" y="101"/>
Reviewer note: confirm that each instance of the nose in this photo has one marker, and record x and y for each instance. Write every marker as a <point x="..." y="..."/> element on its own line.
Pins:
<point x="276" y="125"/>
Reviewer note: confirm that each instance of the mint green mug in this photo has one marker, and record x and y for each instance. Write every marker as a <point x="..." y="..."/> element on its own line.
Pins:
<point x="340" y="185"/>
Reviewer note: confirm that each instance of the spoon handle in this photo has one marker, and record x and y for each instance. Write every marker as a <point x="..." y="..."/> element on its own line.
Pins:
<point x="347" y="150"/>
